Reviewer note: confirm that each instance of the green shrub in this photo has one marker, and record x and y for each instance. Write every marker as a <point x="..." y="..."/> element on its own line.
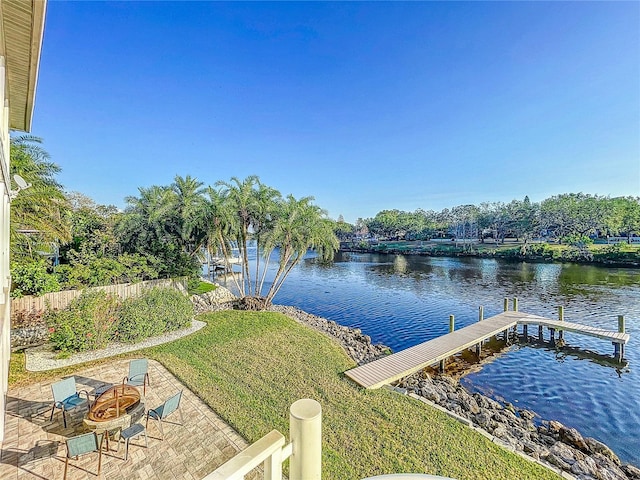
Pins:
<point x="541" y="249"/>
<point x="156" y="311"/>
<point x="88" y="323"/>
<point x="32" y="279"/>
<point x="577" y="240"/>
<point x="576" y="254"/>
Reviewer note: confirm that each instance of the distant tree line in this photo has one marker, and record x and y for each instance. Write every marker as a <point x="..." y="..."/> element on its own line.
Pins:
<point x="567" y="218"/>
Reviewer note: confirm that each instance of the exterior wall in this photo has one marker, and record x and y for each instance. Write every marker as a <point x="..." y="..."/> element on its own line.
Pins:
<point x="21" y="32"/>
<point x="5" y="280"/>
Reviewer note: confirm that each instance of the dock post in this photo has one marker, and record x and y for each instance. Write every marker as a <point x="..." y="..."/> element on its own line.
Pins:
<point x="561" y="319"/>
<point x="525" y="332"/>
<point x="480" y="318"/>
<point x="619" y="347"/>
<point x="506" y="304"/>
<point x="540" y="333"/>
<point x="452" y="323"/>
<point x="552" y="338"/>
<point x="515" y="304"/>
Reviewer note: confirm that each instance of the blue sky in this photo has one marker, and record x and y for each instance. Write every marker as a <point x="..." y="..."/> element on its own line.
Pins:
<point x="365" y="106"/>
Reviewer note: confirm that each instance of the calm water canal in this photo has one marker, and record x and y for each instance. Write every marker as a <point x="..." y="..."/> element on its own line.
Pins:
<point x="404" y="300"/>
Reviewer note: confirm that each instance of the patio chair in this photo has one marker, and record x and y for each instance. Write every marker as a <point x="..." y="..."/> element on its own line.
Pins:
<point x="163" y="411"/>
<point x="132" y="432"/>
<point x="80" y="445"/>
<point x="138" y="374"/>
<point x="66" y="397"/>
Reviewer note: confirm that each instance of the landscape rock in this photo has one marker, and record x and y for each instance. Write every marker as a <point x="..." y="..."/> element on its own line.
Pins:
<point x="572" y="437"/>
<point x="586" y="466"/>
<point x="219" y="299"/>
<point x="595" y="446"/>
<point x="631" y="471"/>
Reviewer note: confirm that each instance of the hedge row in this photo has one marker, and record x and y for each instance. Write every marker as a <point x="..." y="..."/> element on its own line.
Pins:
<point x="95" y="318"/>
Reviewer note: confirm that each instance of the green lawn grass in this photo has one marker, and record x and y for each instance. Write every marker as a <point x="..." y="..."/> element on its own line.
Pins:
<point x="251" y="366"/>
<point x="203" y="287"/>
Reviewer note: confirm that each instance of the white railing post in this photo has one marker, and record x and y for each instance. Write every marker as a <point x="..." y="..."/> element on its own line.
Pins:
<point x="305" y="431"/>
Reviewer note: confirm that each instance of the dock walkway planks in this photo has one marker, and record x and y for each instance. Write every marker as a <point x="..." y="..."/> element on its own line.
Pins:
<point x="398" y="365"/>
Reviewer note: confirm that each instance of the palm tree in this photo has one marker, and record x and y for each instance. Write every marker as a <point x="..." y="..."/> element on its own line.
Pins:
<point x="263" y="219"/>
<point x="249" y="210"/>
<point x="299" y="226"/>
<point x="220" y="224"/>
<point x="239" y="201"/>
<point x="40" y="210"/>
<point x="188" y="207"/>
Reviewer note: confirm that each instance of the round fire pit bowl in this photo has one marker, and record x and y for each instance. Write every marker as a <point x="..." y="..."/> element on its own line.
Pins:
<point x="113" y="403"/>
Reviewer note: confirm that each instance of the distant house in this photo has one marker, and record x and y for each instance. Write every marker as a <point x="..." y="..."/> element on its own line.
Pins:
<point x="21" y="29"/>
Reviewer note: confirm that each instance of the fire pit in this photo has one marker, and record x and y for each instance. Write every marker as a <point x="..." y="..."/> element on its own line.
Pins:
<point x="116" y="408"/>
<point x="113" y="403"/>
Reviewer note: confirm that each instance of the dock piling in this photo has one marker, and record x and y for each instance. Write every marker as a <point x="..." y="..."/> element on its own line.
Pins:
<point x="515" y="304"/>
<point x="619" y="347"/>
<point x="480" y="318"/>
<point x="506" y="304"/>
<point x="561" y="318"/>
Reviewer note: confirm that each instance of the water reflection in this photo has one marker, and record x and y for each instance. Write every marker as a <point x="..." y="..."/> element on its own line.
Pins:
<point x="402" y="301"/>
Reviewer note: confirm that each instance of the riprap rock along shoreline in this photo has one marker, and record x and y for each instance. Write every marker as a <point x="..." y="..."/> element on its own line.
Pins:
<point x="560" y="447"/>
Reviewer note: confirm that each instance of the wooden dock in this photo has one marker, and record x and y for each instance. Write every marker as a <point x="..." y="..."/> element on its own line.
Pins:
<point x="401" y="364"/>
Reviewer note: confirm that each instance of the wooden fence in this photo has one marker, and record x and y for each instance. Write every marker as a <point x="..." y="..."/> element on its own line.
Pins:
<point x="29" y="305"/>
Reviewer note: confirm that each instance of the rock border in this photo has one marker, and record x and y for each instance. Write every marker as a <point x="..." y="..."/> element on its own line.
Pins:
<point x="42" y="358"/>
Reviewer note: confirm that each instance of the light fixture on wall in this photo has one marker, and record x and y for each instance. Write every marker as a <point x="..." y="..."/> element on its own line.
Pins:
<point x="22" y="185"/>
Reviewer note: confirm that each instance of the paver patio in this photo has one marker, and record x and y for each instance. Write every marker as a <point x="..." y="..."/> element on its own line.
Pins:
<point x="34" y="447"/>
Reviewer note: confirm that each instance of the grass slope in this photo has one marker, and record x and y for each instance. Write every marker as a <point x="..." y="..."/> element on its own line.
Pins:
<point x="249" y="367"/>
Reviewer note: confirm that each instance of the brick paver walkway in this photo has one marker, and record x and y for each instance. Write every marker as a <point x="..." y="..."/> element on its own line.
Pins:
<point x="34" y="447"/>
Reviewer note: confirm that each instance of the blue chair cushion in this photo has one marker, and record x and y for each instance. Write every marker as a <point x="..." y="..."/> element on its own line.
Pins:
<point x="137" y="380"/>
<point x="71" y="402"/>
<point x="132" y="431"/>
<point x="157" y="412"/>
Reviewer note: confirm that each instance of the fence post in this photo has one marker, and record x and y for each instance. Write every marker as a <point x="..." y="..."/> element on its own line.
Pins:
<point x="305" y="430"/>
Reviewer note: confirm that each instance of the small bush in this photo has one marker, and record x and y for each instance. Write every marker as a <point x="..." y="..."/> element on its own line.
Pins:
<point x="576" y="254"/>
<point x="541" y="249"/>
<point x="156" y="311"/>
<point x="88" y="323"/>
<point x="32" y="279"/>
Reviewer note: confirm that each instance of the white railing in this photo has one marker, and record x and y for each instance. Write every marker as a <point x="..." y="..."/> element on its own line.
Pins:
<point x="305" y="449"/>
<point x="267" y="450"/>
